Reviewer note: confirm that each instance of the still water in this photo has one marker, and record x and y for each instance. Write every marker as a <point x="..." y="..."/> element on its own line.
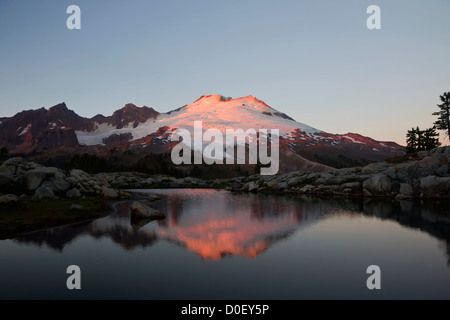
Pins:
<point x="221" y="245"/>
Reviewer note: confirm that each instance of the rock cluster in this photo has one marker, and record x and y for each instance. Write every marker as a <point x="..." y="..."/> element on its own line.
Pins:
<point x="426" y="176"/>
<point x="18" y="177"/>
<point x="134" y="180"/>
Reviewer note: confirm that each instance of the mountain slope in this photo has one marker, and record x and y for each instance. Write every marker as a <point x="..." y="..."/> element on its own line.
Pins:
<point x="214" y="111"/>
<point x="42" y="128"/>
<point x="137" y="128"/>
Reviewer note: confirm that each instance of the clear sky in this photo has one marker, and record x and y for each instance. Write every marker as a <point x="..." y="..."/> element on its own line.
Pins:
<point x="312" y="59"/>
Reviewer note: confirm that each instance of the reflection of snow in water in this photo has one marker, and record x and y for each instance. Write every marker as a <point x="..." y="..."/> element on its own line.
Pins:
<point x="215" y="226"/>
<point x="210" y="223"/>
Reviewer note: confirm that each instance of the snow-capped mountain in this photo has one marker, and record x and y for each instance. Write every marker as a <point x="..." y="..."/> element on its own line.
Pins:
<point x="143" y="127"/>
<point x="214" y="111"/>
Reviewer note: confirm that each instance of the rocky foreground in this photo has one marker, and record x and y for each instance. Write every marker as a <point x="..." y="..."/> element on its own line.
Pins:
<point x="423" y="176"/>
<point x="25" y="180"/>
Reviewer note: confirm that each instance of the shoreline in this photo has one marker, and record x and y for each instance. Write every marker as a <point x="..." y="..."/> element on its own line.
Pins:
<point x="22" y="219"/>
<point x="35" y="195"/>
<point x="109" y="207"/>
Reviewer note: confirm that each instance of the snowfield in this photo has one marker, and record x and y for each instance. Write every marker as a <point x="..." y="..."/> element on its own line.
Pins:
<point x="215" y="112"/>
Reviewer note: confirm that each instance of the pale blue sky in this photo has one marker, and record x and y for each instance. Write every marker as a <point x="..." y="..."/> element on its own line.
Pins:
<point x="314" y="60"/>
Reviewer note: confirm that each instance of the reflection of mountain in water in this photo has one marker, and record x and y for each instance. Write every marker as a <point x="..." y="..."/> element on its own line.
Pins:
<point x="214" y="224"/>
<point x="220" y="229"/>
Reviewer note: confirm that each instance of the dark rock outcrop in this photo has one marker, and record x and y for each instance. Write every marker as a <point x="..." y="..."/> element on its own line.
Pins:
<point x="57" y="137"/>
<point x="427" y="176"/>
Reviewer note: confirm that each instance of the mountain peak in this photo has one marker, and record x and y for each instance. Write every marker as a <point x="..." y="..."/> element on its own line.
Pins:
<point x="217" y="98"/>
<point x="255" y="100"/>
<point x="132" y="108"/>
<point x="130" y="113"/>
<point x="59" y="107"/>
<point x="129" y="107"/>
<point x="213" y="97"/>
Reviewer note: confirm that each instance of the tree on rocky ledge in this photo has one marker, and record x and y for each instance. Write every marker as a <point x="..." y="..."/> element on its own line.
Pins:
<point x="422" y="140"/>
<point x="443" y="121"/>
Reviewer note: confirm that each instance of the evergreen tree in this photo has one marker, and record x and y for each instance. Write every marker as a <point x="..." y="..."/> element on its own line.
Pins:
<point x="421" y="140"/>
<point x="411" y="140"/>
<point x="443" y="121"/>
<point x="431" y="139"/>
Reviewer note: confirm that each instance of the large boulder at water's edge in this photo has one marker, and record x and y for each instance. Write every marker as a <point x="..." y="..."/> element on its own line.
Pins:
<point x="44" y="192"/>
<point x="378" y="184"/>
<point x="109" y="193"/>
<point x="140" y="210"/>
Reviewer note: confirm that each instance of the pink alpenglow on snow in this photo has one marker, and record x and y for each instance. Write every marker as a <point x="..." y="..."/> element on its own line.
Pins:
<point x="210" y="146"/>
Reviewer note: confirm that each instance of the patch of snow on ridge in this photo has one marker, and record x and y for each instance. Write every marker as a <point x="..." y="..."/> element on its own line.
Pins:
<point x="350" y="138"/>
<point x="105" y="130"/>
<point x="25" y="130"/>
